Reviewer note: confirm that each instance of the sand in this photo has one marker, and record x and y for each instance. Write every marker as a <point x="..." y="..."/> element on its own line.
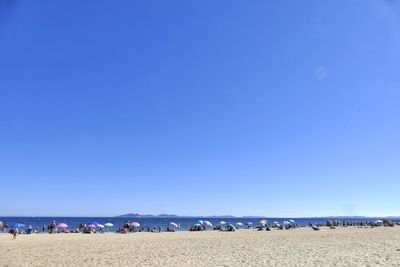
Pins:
<point x="299" y="247"/>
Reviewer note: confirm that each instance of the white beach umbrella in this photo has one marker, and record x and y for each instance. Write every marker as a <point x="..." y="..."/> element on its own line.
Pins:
<point x="292" y="221"/>
<point x="174" y="224"/>
<point x="239" y="224"/>
<point x="222" y="222"/>
<point x="135" y="224"/>
<point x="109" y="225"/>
<point x="263" y="222"/>
<point x="100" y="226"/>
<point x="207" y="224"/>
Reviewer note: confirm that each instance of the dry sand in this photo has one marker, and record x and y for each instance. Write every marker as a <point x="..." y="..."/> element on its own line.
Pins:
<point x="300" y="247"/>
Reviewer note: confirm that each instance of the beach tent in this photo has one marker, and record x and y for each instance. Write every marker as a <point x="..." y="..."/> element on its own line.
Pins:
<point x="109" y="225"/>
<point x="62" y="225"/>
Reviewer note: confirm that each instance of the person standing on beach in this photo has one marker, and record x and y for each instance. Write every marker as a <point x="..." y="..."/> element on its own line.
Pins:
<point x="15" y="233"/>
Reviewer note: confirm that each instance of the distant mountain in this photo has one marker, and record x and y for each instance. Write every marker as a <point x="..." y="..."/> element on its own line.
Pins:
<point x="136" y="215"/>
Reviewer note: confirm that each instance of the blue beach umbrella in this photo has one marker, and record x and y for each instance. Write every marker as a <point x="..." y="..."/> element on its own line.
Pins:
<point x="19" y="225"/>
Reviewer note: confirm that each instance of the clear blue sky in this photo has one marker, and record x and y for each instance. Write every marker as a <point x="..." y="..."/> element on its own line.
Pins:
<point x="200" y="107"/>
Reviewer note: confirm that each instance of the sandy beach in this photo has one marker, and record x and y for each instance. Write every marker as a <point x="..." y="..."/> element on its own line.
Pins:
<point x="299" y="247"/>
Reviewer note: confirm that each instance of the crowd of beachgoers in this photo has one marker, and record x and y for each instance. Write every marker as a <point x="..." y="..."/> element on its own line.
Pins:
<point x="201" y="225"/>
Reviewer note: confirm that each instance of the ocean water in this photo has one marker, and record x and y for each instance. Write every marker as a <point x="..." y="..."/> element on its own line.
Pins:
<point x="185" y="222"/>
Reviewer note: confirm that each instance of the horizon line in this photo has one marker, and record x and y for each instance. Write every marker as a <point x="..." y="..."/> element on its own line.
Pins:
<point x="204" y="216"/>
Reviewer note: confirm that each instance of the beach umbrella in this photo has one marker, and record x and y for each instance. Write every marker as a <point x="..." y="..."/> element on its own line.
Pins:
<point x="174" y="224"/>
<point x="135" y="224"/>
<point x="292" y="221"/>
<point x="200" y="221"/>
<point x="100" y="226"/>
<point x="286" y="222"/>
<point x="263" y="222"/>
<point x="109" y="225"/>
<point x="239" y="224"/>
<point x="1" y="224"/>
<point x="231" y="226"/>
<point x="93" y="222"/>
<point x="207" y="224"/>
<point x="222" y="222"/>
<point x="92" y="225"/>
<point x="19" y="225"/>
<point x="249" y="223"/>
<point x="62" y="225"/>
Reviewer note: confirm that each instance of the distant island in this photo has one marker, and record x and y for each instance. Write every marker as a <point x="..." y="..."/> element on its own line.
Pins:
<point x="136" y="215"/>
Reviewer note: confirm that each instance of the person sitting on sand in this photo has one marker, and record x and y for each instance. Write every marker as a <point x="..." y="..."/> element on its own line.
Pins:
<point x="5" y="227"/>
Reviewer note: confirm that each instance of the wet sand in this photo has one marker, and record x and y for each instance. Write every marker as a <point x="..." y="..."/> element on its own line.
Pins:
<point x="350" y="246"/>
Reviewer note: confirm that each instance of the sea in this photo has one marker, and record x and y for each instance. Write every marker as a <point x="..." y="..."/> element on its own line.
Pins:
<point x="38" y="223"/>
